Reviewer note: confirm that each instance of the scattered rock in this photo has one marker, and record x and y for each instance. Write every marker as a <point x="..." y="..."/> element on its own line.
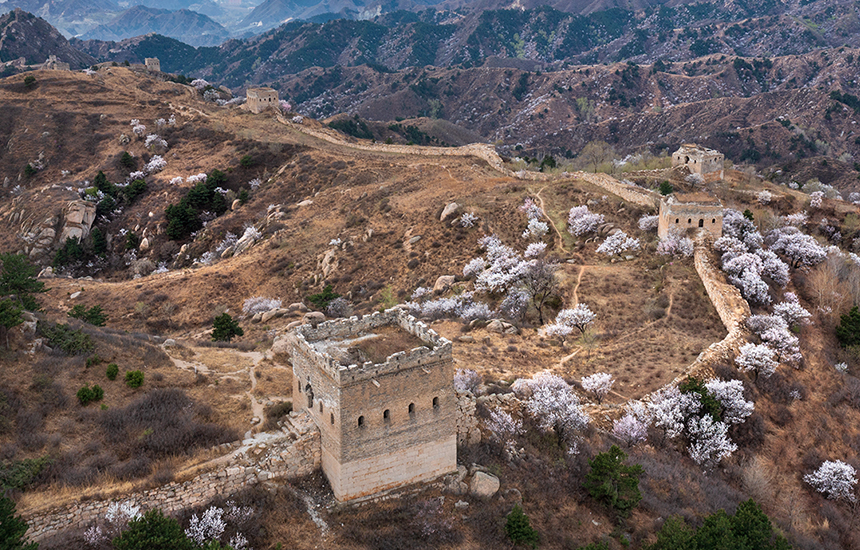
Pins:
<point x="484" y="485"/>
<point x="449" y="211"/>
<point x="466" y="339"/>
<point x="415" y="239"/>
<point x="329" y="263"/>
<point x="461" y="504"/>
<point x="47" y="273"/>
<point x="28" y="317"/>
<point x="443" y="283"/>
<point x="272" y="314"/>
<point x="294" y="324"/>
<point x="257" y="317"/>
<point x="169" y="343"/>
<point x="306" y="202"/>
<point x="502" y="327"/>
<point x="144" y="244"/>
<point x="313" y="318"/>
<point x="367" y="234"/>
<point x="75" y="295"/>
<point x="298" y="306"/>
<point x="513" y="495"/>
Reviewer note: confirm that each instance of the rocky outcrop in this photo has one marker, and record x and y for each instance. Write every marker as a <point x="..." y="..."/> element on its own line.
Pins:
<point x="78" y="218"/>
<point x="468" y="432"/>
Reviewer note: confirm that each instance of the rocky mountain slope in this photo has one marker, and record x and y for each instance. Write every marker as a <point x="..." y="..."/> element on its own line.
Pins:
<point x="24" y="35"/>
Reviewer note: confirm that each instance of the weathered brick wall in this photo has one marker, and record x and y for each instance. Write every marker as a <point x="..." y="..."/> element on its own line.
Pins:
<point x="294" y="453"/>
<point x="681" y="217"/>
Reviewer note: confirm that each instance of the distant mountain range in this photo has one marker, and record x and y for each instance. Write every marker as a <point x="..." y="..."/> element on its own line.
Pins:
<point x="192" y="28"/>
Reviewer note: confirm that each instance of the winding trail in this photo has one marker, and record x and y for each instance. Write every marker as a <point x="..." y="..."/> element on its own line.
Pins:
<point x="576" y="288"/>
<point x="551" y="223"/>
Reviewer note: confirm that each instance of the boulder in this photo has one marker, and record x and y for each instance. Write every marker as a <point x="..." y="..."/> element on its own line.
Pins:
<point x="415" y="239"/>
<point x="443" y="283"/>
<point x="329" y="263"/>
<point x="298" y="306"/>
<point x="293" y="325"/>
<point x="502" y="327"/>
<point x="170" y="342"/>
<point x="144" y="244"/>
<point x="47" y="273"/>
<point x="257" y="317"/>
<point x="313" y="318"/>
<point x="484" y="485"/>
<point x="272" y="314"/>
<point x="244" y="243"/>
<point x="235" y="205"/>
<point x="142" y="267"/>
<point x="79" y="216"/>
<point x="306" y="202"/>
<point x="449" y="211"/>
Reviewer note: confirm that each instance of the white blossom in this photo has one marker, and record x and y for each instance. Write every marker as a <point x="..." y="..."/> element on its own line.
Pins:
<point x="196" y="178"/>
<point x="815" y="199"/>
<point x="580" y="221"/>
<point x="534" y="250"/>
<point x="536" y="229"/>
<point x="199" y="83"/>
<point x="800" y="249"/>
<point x="791" y="310"/>
<point x="835" y="480"/>
<point x="468" y="219"/>
<point x="176" y="181"/>
<point x="598" y="384"/>
<point x="796" y="219"/>
<point x="467" y="380"/>
<point x="841" y="367"/>
<point x="554" y="405"/>
<point x="709" y="441"/>
<point x="730" y="394"/>
<point x="675" y="245"/>
<point x="254" y="184"/>
<point x="648" y="223"/>
<point x="155" y="165"/>
<point x="764" y="197"/>
<point x="578" y="317"/>
<point x="208" y="527"/>
<point x="503" y="426"/>
<point x="260" y="304"/>
<point x="632" y="428"/>
<point x="618" y="243"/>
<point x="758" y="359"/>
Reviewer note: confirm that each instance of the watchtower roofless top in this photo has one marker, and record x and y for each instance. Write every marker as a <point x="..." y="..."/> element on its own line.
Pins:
<point x="699" y="160"/>
<point x="259" y="99"/>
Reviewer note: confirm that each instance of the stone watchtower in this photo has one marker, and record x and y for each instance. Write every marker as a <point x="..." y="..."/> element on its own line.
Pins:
<point x="700" y="160"/>
<point x="259" y="99"/>
<point x="152" y="64"/>
<point x="380" y="388"/>
<point x="681" y="212"/>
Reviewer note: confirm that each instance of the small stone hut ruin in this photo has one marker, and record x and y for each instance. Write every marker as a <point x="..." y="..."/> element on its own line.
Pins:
<point x="700" y="160"/>
<point x="380" y="388"/>
<point x="681" y="212"/>
<point x="152" y="64"/>
<point x="259" y="99"/>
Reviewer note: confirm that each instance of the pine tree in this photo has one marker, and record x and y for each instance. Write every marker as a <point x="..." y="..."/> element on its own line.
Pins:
<point x="225" y="328"/>
<point x="18" y="278"/>
<point x="613" y="483"/>
<point x="13" y="528"/>
<point x="848" y="331"/>
<point x="519" y="529"/>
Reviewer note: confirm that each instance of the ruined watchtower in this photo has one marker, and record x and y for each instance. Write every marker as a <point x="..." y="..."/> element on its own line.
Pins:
<point x="152" y="64"/>
<point x="259" y="99"/>
<point x="700" y="160"/>
<point x="681" y="212"/>
<point x="54" y="64"/>
<point x="380" y="389"/>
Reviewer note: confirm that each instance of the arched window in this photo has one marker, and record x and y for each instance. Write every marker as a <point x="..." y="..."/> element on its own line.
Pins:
<point x="360" y="421"/>
<point x="677" y="220"/>
<point x="412" y="408"/>
<point x="714" y="220"/>
<point x="701" y="223"/>
<point x="689" y="221"/>
<point x="435" y="402"/>
<point x="320" y="406"/>
<point x="332" y="418"/>
<point x="386" y="415"/>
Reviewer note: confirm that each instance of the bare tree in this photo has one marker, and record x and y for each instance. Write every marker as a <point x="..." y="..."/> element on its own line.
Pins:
<point x="540" y="282"/>
<point x="596" y="153"/>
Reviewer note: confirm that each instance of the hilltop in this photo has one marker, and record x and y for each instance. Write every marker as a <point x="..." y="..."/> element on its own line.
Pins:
<point x="324" y="209"/>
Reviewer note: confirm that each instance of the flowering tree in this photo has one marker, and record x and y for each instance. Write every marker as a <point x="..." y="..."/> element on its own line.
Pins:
<point x="580" y="221"/>
<point x="730" y="394"/>
<point x="502" y="269"/>
<point x="260" y="304"/>
<point x="535" y="250"/>
<point x="669" y="408"/>
<point x="467" y="380"/>
<point x="632" y="428"/>
<point x="578" y="317"/>
<point x="834" y="479"/>
<point x="536" y="229"/>
<point x="758" y="359"/>
<point x="504" y="429"/>
<point x="598" y="384"/>
<point x="800" y="249"/>
<point x="764" y="197"/>
<point x="155" y="165"/>
<point x="648" y="223"/>
<point x="709" y="441"/>
<point x="815" y="199"/>
<point x="618" y="243"/>
<point x="791" y="310"/>
<point x="554" y="405"/>
<point x="675" y="245"/>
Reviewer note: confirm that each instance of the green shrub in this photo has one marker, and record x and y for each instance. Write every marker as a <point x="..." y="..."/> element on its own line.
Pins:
<point x="183" y="218"/>
<point x="112" y="371"/>
<point x="127" y="161"/>
<point x="153" y="531"/>
<point x="29" y="81"/>
<point x="10" y="316"/>
<point x="29" y="171"/>
<point x="65" y="338"/>
<point x="94" y="360"/>
<point x="519" y="529"/>
<point x="13" y="529"/>
<point x="225" y="328"/>
<point x="613" y="483"/>
<point x="99" y="241"/>
<point x="18" y="475"/>
<point x="87" y="395"/>
<point x="848" y="331"/>
<point x="71" y="252"/>
<point x="243" y="196"/>
<point x="133" y="190"/>
<point x="94" y="316"/>
<point x="134" y="379"/>
<point x="102" y="184"/>
<point x="247" y="161"/>
<point x="321" y="300"/>
<point x="18" y="279"/>
<point x="354" y="127"/>
<point x="132" y="241"/>
<point x="666" y="188"/>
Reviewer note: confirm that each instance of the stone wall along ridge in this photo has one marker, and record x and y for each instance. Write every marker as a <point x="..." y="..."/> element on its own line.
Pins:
<point x="292" y="452"/>
<point x="486" y="152"/>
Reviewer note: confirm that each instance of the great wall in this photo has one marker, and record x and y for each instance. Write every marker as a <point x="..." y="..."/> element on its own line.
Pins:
<point x="295" y="450"/>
